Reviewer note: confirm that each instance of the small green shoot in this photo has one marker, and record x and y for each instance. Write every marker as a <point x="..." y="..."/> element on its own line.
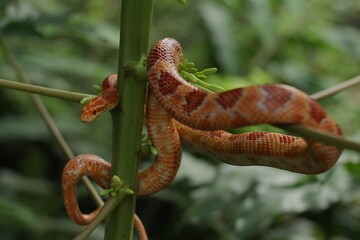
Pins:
<point x="85" y="100"/>
<point x="153" y="150"/>
<point x="97" y="88"/>
<point x="117" y="186"/>
<point x="191" y="74"/>
<point x="147" y="146"/>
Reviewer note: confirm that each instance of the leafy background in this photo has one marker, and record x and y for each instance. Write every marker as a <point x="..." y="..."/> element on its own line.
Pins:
<point x="73" y="44"/>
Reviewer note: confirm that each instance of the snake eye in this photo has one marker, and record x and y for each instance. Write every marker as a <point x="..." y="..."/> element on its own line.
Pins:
<point x="94" y="112"/>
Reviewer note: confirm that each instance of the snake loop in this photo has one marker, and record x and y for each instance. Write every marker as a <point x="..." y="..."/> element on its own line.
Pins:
<point x="271" y="104"/>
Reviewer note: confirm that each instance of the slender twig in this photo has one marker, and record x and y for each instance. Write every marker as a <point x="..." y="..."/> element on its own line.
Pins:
<point x="298" y="129"/>
<point x="50" y="92"/>
<point x="50" y="123"/>
<point x="104" y="212"/>
<point x="337" y="88"/>
<point x="76" y="96"/>
<point x="311" y="133"/>
<point x="314" y="134"/>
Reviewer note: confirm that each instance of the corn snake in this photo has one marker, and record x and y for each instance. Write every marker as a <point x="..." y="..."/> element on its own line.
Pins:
<point x="175" y="108"/>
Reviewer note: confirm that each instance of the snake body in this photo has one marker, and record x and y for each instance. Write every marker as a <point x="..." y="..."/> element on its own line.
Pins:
<point x="271" y="104"/>
<point x="151" y="180"/>
<point x="174" y="107"/>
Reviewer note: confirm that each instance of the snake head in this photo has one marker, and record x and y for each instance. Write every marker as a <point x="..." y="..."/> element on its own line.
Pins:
<point x="102" y="103"/>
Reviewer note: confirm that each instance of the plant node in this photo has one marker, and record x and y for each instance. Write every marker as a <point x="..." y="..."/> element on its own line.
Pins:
<point x="117" y="186"/>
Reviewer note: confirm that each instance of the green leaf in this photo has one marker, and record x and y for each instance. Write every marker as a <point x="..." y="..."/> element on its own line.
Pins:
<point x="127" y="191"/>
<point x="85" y="100"/>
<point x="153" y="151"/>
<point x="105" y="192"/>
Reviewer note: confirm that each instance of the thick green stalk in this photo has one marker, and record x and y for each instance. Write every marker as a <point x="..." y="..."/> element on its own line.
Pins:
<point x="136" y="16"/>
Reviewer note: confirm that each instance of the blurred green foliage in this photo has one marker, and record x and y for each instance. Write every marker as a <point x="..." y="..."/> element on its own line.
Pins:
<point x="73" y="44"/>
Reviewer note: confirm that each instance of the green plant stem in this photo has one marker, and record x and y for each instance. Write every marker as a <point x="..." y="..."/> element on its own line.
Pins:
<point x="136" y="16"/>
<point x="50" y="123"/>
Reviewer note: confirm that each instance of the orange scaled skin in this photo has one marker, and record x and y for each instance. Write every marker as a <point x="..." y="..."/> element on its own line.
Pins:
<point x="170" y="97"/>
<point x="106" y="101"/>
<point x="272" y="104"/>
<point x="151" y="180"/>
<point x="99" y="170"/>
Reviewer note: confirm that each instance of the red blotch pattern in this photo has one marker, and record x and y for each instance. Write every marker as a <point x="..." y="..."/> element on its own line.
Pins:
<point x="276" y="97"/>
<point x="165" y="88"/>
<point x="316" y="112"/>
<point x="193" y="100"/>
<point x="229" y="98"/>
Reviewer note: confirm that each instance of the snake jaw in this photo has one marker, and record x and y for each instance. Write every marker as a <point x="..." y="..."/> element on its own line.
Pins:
<point x="91" y="111"/>
<point x="99" y="105"/>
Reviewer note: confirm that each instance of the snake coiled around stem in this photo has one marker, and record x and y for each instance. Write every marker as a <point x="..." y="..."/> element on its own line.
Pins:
<point x="176" y="108"/>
